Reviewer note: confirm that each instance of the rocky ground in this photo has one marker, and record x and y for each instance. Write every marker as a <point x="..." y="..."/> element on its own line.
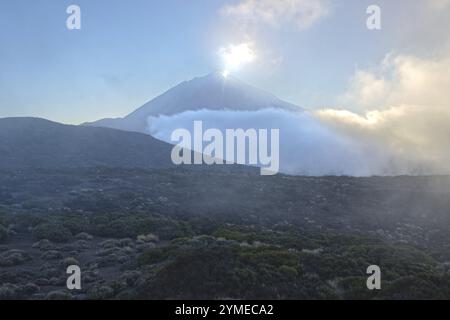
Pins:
<point x="182" y="234"/>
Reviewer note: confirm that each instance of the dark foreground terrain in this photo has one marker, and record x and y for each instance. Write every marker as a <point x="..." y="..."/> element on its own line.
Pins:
<point x="178" y="234"/>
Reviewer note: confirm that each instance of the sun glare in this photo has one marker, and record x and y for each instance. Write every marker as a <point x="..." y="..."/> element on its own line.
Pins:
<point x="235" y="56"/>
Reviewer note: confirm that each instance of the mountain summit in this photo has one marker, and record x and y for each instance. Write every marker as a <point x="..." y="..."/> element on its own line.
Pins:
<point x="211" y="92"/>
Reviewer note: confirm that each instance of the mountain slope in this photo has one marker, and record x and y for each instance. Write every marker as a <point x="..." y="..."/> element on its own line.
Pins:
<point x="39" y="143"/>
<point x="212" y="92"/>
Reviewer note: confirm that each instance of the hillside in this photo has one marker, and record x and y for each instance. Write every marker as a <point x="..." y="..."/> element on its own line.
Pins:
<point x="39" y="143"/>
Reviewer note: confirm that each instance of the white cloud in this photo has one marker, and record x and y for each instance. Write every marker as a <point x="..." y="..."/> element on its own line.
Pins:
<point x="366" y="90"/>
<point x="307" y="146"/>
<point x="438" y="4"/>
<point x="301" y="14"/>
<point x="405" y="107"/>
<point x="401" y="80"/>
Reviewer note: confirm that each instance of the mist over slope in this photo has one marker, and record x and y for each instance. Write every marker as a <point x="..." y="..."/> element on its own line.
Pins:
<point x="307" y="147"/>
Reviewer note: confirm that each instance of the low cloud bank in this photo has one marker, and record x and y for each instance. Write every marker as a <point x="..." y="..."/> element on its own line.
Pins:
<point x="307" y="146"/>
<point x="399" y="124"/>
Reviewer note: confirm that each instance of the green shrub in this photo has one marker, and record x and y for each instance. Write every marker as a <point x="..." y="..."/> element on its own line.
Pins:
<point x="53" y="232"/>
<point x="155" y="255"/>
<point x="3" y="233"/>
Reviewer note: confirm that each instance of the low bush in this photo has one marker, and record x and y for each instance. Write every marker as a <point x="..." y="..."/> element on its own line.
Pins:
<point x="3" y="233"/>
<point x="52" y="232"/>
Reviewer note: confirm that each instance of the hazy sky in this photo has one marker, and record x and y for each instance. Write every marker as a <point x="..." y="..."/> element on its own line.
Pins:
<point x="127" y="52"/>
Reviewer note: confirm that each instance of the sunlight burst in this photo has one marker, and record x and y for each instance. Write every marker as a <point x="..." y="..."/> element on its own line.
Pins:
<point x="235" y="56"/>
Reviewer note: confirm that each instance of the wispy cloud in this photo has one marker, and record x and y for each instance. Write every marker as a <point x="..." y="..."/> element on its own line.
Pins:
<point x="438" y="4"/>
<point x="307" y="146"/>
<point x="300" y="14"/>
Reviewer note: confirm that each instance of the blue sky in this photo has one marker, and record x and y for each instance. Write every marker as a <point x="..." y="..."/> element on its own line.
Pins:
<point x="128" y="52"/>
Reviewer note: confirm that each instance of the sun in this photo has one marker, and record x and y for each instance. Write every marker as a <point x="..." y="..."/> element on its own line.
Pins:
<point x="236" y="56"/>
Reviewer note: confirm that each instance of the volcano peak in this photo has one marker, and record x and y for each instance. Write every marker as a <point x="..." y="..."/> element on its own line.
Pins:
<point x="210" y="92"/>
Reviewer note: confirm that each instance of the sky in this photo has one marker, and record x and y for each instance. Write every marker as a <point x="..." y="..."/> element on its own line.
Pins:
<point x="314" y="53"/>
